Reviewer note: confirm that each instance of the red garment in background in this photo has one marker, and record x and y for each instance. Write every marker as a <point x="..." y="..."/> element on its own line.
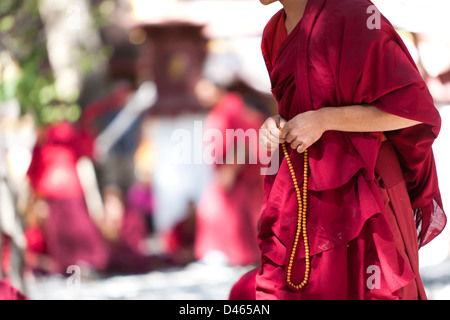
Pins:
<point x="36" y="254"/>
<point x="52" y="171"/>
<point x="127" y="255"/>
<point x="72" y="237"/>
<point x="332" y="58"/>
<point x="180" y="240"/>
<point x="8" y="292"/>
<point x="70" y="234"/>
<point x="244" y="288"/>
<point x="36" y="240"/>
<point x="112" y="103"/>
<point x="227" y="219"/>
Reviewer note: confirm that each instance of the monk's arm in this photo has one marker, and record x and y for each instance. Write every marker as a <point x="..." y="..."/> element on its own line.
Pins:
<point x="306" y="128"/>
<point x="359" y="118"/>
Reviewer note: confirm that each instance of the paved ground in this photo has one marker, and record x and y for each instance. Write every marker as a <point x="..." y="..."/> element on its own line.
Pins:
<point x="436" y="279"/>
<point x="202" y="282"/>
<point x="195" y="282"/>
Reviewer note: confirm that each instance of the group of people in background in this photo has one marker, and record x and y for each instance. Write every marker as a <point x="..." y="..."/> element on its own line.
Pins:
<point x="62" y="228"/>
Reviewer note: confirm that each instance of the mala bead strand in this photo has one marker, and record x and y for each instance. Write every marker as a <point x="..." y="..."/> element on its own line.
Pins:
<point x="302" y="201"/>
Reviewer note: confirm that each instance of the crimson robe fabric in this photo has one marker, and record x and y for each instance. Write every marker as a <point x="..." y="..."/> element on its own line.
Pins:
<point x="244" y="288"/>
<point x="127" y="256"/>
<point x="71" y="235"/>
<point x="332" y="58"/>
<point x="8" y="292"/>
<point x="52" y="172"/>
<point x="227" y="219"/>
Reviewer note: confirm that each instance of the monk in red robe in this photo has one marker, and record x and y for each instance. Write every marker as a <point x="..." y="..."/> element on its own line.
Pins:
<point x="350" y="94"/>
<point x="71" y="236"/>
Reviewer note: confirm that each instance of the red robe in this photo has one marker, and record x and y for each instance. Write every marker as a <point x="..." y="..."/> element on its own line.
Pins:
<point x="227" y="219"/>
<point x="8" y="292"/>
<point x="126" y="256"/>
<point x="71" y="235"/>
<point x="358" y="219"/>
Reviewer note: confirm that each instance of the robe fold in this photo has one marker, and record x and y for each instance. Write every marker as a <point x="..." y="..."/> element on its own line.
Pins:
<point x="357" y="222"/>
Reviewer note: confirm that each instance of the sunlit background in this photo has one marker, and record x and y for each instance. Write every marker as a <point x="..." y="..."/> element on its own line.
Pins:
<point x="94" y="202"/>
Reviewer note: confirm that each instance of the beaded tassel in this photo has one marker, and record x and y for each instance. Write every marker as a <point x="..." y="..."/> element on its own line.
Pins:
<point x="301" y="219"/>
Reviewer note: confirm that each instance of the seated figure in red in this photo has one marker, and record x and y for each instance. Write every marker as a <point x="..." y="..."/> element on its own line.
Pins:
<point x="71" y="235"/>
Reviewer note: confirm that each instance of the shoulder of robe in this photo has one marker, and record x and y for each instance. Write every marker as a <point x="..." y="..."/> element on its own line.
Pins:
<point x="268" y="36"/>
<point x="342" y="19"/>
<point x="271" y="25"/>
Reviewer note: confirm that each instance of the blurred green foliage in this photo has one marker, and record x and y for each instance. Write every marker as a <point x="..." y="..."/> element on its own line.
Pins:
<point x="25" y="71"/>
<point x="25" y="68"/>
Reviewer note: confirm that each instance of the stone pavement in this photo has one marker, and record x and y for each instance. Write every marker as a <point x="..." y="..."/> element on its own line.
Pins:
<point x="195" y="282"/>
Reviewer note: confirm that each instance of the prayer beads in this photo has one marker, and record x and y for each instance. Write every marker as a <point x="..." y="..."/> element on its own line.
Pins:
<point x="302" y="201"/>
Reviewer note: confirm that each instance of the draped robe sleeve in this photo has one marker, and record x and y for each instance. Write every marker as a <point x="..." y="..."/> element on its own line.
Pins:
<point x="373" y="66"/>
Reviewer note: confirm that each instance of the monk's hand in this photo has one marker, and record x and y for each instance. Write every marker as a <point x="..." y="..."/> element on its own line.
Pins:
<point x="303" y="130"/>
<point x="269" y="133"/>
